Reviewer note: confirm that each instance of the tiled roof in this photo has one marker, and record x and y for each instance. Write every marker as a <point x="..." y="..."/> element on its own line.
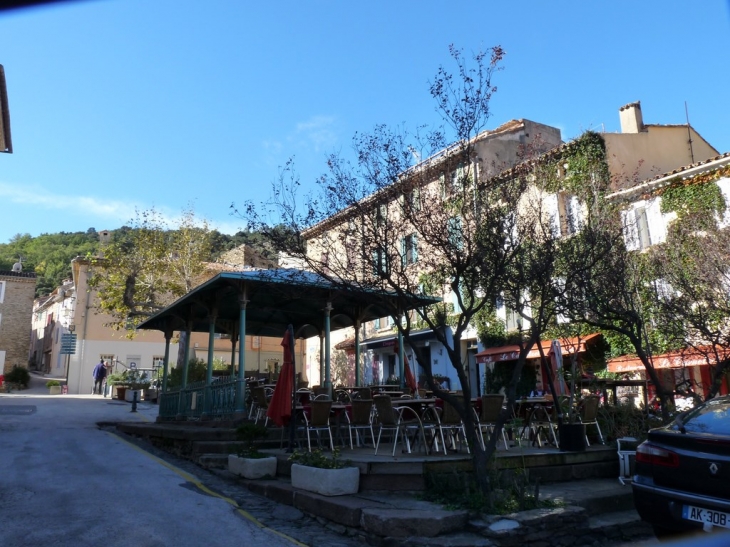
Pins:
<point x="6" y="273"/>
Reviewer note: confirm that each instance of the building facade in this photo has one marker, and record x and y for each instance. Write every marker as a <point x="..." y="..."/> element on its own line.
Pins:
<point x="17" y="290"/>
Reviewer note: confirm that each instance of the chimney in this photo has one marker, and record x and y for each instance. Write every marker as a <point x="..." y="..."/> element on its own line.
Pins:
<point x="631" y="119"/>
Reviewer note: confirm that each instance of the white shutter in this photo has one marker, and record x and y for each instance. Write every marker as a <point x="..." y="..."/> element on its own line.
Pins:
<point x="550" y="202"/>
<point x="2" y="359"/>
<point x="656" y="221"/>
<point x="2" y="291"/>
<point x="631" y="233"/>
<point x="724" y="185"/>
<point x="501" y="311"/>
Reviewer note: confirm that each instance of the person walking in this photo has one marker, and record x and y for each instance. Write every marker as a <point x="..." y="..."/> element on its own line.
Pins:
<point x="99" y="375"/>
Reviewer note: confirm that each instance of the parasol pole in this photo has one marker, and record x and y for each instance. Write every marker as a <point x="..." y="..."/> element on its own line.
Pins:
<point x="292" y="424"/>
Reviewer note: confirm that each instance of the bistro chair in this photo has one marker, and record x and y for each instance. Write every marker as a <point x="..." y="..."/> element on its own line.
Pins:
<point x="361" y="419"/>
<point x="363" y="394"/>
<point x="319" y="390"/>
<point x="341" y="396"/>
<point x="491" y="409"/>
<point x="318" y="421"/>
<point x="451" y="426"/>
<point x="588" y="411"/>
<point x="262" y="404"/>
<point x="399" y="420"/>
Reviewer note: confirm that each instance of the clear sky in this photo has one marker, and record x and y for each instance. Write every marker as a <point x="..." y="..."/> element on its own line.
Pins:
<point x="117" y="104"/>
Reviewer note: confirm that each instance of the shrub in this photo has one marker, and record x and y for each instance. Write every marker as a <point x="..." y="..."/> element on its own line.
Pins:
<point x="249" y="434"/>
<point x="197" y="371"/>
<point x="18" y="375"/>
<point x="53" y="383"/>
<point x="316" y="458"/>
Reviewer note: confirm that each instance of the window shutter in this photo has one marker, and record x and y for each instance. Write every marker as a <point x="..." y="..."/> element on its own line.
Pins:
<point x="403" y="252"/>
<point x="551" y="208"/>
<point x="631" y="234"/>
<point x="642" y="226"/>
<point x="414" y="248"/>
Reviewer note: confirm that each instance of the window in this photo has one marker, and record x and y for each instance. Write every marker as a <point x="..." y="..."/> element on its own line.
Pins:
<point x="376" y="323"/>
<point x="411" y="201"/>
<point x="158" y="361"/>
<point x="108" y="359"/>
<point x="512" y="319"/>
<point x="409" y="250"/>
<point x="2" y="291"/>
<point x="571" y="214"/>
<point x="636" y="228"/>
<point x="454" y="232"/>
<point x="381" y="215"/>
<point x="380" y="263"/>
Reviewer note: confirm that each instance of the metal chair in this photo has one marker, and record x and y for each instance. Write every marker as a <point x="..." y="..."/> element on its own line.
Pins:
<point x="451" y="425"/>
<point x="588" y="410"/>
<point x="361" y="419"/>
<point x="262" y="404"/>
<point x="491" y="409"/>
<point x="318" y="421"/>
<point x="400" y="420"/>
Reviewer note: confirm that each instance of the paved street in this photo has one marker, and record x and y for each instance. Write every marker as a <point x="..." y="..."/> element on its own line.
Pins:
<point x="68" y="482"/>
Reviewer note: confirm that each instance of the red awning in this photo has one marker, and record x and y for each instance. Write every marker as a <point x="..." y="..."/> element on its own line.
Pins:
<point x="512" y="353"/>
<point x="688" y="357"/>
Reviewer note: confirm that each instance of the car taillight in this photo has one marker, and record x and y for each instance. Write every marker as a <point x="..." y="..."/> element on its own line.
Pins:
<point x="654" y="455"/>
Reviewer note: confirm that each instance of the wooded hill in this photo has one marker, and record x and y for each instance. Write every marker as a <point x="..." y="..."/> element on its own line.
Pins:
<point x="50" y="255"/>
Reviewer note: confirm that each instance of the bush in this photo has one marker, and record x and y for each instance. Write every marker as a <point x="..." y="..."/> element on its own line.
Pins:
<point x="53" y="383"/>
<point x="249" y="433"/>
<point x="18" y="375"/>
<point x="197" y="371"/>
<point x="316" y="458"/>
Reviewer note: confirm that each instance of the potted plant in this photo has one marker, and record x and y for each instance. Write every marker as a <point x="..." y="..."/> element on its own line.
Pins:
<point x="316" y="472"/>
<point x="116" y="381"/>
<point x="572" y="432"/>
<point x="136" y="381"/>
<point x="249" y="463"/>
<point x="54" y="387"/>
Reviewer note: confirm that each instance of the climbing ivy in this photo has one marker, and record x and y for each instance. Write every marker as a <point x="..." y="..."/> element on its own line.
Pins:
<point x="693" y="197"/>
<point x="580" y="168"/>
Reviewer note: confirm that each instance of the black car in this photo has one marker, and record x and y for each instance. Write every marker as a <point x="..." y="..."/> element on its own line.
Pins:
<point x="682" y="474"/>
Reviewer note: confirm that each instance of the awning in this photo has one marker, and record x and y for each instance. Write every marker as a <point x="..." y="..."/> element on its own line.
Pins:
<point x="688" y="357"/>
<point x="512" y="353"/>
<point x="391" y="340"/>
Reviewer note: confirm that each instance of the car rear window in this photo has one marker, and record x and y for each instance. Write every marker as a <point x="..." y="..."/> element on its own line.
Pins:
<point x="712" y="417"/>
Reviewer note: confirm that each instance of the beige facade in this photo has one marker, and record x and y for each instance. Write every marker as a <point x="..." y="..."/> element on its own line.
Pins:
<point x="17" y="290"/>
<point x="642" y="151"/>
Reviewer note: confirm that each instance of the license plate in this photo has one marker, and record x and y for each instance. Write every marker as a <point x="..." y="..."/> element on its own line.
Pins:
<point x="706" y="516"/>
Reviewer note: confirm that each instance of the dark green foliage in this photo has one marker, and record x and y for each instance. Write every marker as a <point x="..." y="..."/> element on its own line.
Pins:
<point x="197" y="370"/>
<point x="316" y="458"/>
<point x="18" y="375"/>
<point x="48" y="255"/>
<point x="500" y="377"/>
<point x="691" y="199"/>
<point x="249" y="433"/>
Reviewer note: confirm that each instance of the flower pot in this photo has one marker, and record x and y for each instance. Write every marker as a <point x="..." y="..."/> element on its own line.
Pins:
<point x="328" y="482"/>
<point x="54" y="390"/>
<point x="129" y="395"/>
<point x="252" y="468"/>
<point x="572" y="437"/>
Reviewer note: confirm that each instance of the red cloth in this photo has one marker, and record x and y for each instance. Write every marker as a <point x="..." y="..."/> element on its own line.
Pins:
<point x="410" y="379"/>
<point x="279" y="410"/>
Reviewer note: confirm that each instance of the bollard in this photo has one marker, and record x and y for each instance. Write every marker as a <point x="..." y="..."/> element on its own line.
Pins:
<point x="134" y="401"/>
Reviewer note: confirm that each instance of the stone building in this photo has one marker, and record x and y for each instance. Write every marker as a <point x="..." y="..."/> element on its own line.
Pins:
<point x="17" y="290"/>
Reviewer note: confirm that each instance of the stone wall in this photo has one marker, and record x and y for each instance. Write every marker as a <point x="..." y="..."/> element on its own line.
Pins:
<point x="16" y="311"/>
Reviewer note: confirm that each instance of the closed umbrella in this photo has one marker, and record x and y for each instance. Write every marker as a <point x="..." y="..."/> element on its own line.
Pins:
<point x="410" y="379"/>
<point x="556" y="365"/>
<point x="280" y="406"/>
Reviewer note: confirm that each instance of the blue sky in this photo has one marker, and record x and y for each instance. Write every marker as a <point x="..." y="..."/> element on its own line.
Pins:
<point x="117" y="104"/>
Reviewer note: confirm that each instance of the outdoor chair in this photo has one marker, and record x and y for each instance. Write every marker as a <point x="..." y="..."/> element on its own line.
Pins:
<point x="491" y="409"/>
<point x="588" y="410"/>
<point x="319" y="390"/>
<point x="262" y="404"/>
<point x="451" y="426"/>
<point x="318" y="422"/>
<point x="341" y="396"/>
<point x="363" y="394"/>
<point x="322" y="397"/>
<point x="361" y="419"/>
<point x="400" y="420"/>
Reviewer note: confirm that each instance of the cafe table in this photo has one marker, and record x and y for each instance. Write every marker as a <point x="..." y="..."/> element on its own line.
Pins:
<point x="536" y="414"/>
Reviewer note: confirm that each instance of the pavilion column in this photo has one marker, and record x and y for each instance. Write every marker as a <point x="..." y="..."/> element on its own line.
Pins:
<point x="234" y="339"/>
<point x="327" y="356"/>
<point x="182" y="402"/>
<point x="321" y="359"/>
<point x="208" y="397"/>
<point x="357" y="353"/>
<point x="401" y="360"/>
<point x="165" y="368"/>
<point x="241" y="380"/>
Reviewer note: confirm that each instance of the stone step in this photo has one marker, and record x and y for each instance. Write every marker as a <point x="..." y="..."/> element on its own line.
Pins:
<point x="596" y="496"/>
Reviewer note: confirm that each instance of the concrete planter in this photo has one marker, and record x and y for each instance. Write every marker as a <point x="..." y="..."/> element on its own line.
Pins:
<point x="150" y="394"/>
<point x="328" y="482"/>
<point x="54" y="390"/>
<point x="252" y="468"/>
<point x="129" y="395"/>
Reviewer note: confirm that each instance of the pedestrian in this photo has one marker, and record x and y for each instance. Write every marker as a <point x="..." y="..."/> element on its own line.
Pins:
<point x="99" y="375"/>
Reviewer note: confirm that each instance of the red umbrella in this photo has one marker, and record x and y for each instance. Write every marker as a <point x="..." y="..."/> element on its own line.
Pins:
<point x="279" y="410"/>
<point x="556" y="364"/>
<point x="410" y="379"/>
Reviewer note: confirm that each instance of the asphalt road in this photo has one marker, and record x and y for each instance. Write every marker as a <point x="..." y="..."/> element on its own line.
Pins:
<point x="65" y="481"/>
